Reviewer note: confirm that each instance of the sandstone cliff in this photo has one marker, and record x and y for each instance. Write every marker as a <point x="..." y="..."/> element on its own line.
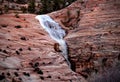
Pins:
<point x="93" y="35"/>
<point x="27" y="52"/>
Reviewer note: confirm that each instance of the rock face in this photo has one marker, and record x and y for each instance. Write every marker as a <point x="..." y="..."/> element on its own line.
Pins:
<point x="27" y="52"/>
<point x="93" y="35"/>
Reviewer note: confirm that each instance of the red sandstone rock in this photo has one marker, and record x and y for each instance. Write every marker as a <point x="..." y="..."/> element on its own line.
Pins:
<point x="92" y="37"/>
<point x="27" y="45"/>
<point x="93" y="31"/>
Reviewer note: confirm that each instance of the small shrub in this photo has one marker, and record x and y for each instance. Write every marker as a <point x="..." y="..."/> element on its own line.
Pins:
<point x="6" y="8"/>
<point x="49" y="76"/>
<point x="23" y="38"/>
<point x="66" y="19"/>
<point x="20" y="79"/>
<point x="30" y="63"/>
<point x="4" y="25"/>
<point x="29" y="49"/>
<point x="20" y="49"/>
<point x="81" y="1"/>
<point x="4" y="51"/>
<point x="21" y="1"/>
<point x="110" y="77"/>
<point x="8" y="74"/>
<point x="18" y="26"/>
<point x="17" y="15"/>
<point x="16" y="74"/>
<point x="2" y="77"/>
<point x="36" y="64"/>
<point x="26" y="74"/>
<point x="40" y="72"/>
<point x="36" y="69"/>
<point x="31" y="6"/>
<point x="68" y="16"/>
<point x="24" y="9"/>
<point x="7" y="46"/>
<point x="0" y="50"/>
<point x="41" y="77"/>
<point x="58" y="77"/>
<point x="68" y="13"/>
<point x="78" y="13"/>
<point x="17" y="52"/>
<point x="119" y="57"/>
<point x="1" y="11"/>
<point x="24" y="19"/>
<point x="71" y="28"/>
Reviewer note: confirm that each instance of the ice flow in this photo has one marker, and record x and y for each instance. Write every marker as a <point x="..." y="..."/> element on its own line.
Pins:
<point x="56" y="33"/>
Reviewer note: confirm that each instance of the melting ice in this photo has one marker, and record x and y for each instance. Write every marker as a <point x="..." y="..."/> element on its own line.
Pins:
<point x="55" y="31"/>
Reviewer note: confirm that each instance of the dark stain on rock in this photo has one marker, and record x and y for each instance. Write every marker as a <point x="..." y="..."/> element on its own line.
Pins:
<point x="56" y="47"/>
<point x="73" y="65"/>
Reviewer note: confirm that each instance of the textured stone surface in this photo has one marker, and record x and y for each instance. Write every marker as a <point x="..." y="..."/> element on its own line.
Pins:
<point x="93" y="35"/>
<point x="27" y="49"/>
<point x="93" y="30"/>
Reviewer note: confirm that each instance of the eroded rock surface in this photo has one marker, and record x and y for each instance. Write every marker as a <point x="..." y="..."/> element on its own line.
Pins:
<point x="93" y="30"/>
<point x="27" y="52"/>
<point x="93" y="35"/>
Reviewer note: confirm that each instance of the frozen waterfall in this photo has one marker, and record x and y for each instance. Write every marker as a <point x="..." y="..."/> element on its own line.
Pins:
<point x="56" y="33"/>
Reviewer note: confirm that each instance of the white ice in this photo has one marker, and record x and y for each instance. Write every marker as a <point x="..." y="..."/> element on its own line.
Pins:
<point x="55" y="31"/>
